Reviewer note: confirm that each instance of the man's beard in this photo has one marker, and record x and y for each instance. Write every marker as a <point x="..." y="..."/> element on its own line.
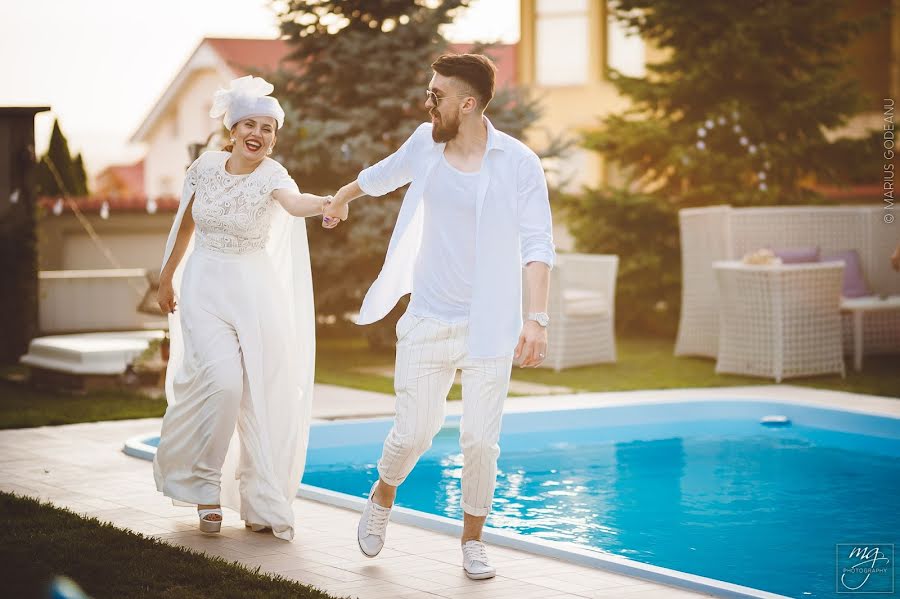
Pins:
<point x="442" y="131"/>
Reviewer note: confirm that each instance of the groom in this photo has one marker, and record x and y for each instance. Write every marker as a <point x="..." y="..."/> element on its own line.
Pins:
<point x="476" y="213"/>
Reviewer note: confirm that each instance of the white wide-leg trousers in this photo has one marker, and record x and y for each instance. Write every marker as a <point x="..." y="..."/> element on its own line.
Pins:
<point x="238" y="373"/>
<point x="429" y="352"/>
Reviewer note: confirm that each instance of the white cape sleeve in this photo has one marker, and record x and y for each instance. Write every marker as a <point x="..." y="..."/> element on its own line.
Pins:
<point x="176" y="343"/>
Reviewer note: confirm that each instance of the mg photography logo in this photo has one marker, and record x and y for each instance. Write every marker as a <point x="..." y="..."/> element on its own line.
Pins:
<point x="864" y="568"/>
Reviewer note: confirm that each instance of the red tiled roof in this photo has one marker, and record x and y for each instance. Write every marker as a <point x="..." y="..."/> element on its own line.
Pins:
<point x="246" y="55"/>
<point x="503" y="55"/>
<point x="91" y="204"/>
<point x="121" y="180"/>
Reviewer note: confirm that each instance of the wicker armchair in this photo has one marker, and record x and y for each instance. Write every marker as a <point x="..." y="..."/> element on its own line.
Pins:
<point x="582" y="311"/>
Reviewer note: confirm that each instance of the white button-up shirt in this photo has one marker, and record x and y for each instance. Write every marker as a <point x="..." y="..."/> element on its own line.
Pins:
<point x="513" y="227"/>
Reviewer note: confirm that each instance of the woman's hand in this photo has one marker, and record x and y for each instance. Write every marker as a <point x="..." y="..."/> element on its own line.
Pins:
<point x="165" y="296"/>
<point x="333" y="214"/>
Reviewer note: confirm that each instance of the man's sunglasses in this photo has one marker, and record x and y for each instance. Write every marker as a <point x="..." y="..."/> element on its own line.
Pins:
<point x="435" y="99"/>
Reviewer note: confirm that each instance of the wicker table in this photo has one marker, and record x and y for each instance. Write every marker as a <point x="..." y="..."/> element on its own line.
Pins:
<point x="858" y="306"/>
<point x="779" y="321"/>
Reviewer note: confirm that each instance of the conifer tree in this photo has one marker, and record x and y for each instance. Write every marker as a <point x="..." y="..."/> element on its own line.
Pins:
<point x="70" y="170"/>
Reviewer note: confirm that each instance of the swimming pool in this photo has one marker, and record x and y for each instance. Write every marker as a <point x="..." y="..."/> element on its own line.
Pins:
<point x="698" y="487"/>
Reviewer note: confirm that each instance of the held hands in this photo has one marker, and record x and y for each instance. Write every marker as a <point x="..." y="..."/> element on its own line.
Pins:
<point x="165" y="296"/>
<point x="532" y="347"/>
<point x="333" y="213"/>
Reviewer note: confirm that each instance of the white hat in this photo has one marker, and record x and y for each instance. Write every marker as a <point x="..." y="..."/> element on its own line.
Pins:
<point x="246" y="97"/>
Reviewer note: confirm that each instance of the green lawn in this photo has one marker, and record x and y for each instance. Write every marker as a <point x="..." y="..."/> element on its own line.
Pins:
<point x="38" y="542"/>
<point x="21" y="406"/>
<point x="644" y="363"/>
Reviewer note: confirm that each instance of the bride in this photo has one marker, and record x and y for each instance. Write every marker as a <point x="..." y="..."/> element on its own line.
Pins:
<point x="236" y="283"/>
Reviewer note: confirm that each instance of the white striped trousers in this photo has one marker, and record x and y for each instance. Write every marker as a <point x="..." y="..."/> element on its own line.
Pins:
<point x="429" y="352"/>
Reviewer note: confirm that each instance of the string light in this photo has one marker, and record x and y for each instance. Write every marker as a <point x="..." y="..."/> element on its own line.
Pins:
<point x="14" y="197"/>
<point x="151" y="206"/>
<point x="104" y="210"/>
<point x="58" y="207"/>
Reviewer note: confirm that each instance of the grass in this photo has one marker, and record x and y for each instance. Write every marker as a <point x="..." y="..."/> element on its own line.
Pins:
<point x="39" y="542"/>
<point x="644" y="363"/>
<point x="21" y="406"/>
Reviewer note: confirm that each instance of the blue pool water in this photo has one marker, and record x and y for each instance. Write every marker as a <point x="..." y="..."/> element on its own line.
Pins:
<point x="691" y="487"/>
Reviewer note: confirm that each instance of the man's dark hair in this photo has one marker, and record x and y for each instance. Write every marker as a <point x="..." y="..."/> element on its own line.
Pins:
<point x="476" y="70"/>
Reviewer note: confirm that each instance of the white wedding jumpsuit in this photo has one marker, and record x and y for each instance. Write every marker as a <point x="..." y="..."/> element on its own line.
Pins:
<point x="239" y="381"/>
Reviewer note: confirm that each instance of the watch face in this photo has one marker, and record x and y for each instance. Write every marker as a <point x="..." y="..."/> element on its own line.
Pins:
<point x="541" y="318"/>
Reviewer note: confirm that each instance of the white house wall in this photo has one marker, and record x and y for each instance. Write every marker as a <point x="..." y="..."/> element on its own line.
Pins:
<point x="136" y="240"/>
<point x="186" y="122"/>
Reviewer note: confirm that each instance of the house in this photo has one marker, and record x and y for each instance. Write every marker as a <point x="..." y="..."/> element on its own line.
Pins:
<point x="180" y="117"/>
<point x="120" y="181"/>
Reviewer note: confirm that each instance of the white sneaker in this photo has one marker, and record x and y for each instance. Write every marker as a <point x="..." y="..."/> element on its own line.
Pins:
<point x="372" y="529"/>
<point x="475" y="561"/>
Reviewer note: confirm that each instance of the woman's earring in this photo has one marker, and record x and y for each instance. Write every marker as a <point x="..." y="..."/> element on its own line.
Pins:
<point x="270" y="150"/>
<point x="232" y="140"/>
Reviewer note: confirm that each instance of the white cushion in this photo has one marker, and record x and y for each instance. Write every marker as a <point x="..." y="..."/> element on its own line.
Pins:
<point x="584" y="302"/>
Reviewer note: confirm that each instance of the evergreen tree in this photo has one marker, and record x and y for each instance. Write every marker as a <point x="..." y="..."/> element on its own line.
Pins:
<point x="80" y="175"/>
<point x="70" y="171"/>
<point x="353" y="90"/>
<point x="739" y="109"/>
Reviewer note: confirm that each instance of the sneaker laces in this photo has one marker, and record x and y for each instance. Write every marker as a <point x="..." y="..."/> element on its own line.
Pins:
<point x="377" y="520"/>
<point x="475" y="551"/>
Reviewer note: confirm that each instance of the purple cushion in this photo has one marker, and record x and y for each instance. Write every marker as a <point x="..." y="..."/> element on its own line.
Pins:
<point x="854" y="282"/>
<point x="797" y="255"/>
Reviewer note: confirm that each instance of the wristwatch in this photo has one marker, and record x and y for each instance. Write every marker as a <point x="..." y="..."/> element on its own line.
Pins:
<point x="542" y="318"/>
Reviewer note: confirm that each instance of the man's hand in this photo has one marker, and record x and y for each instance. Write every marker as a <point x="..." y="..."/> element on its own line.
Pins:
<point x="333" y="214"/>
<point x="532" y="347"/>
<point x="165" y="296"/>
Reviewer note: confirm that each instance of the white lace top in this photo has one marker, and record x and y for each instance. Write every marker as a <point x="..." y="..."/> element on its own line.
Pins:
<point x="232" y="213"/>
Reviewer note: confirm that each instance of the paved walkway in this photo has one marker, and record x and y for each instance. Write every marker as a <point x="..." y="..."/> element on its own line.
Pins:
<point x="82" y="467"/>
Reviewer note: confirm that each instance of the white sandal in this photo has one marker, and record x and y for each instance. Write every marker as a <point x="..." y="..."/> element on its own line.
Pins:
<point x="210" y="525"/>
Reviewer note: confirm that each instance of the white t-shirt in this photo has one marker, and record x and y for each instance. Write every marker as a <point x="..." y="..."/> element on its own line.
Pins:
<point x="442" y="282"/>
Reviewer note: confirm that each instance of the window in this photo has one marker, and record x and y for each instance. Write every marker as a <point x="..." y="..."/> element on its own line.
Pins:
<point x="562" y="46"/>
<point x="625" y="51"/>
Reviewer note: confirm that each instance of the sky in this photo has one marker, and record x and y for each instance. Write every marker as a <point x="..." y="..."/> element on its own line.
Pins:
<point x="102" y="64"/>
